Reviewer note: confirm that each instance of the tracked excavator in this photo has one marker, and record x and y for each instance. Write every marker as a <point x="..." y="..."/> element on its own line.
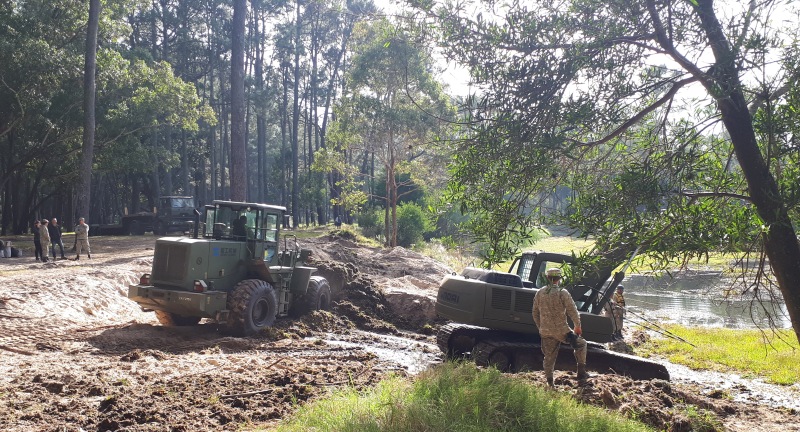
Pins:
<point x="492" y="321"/>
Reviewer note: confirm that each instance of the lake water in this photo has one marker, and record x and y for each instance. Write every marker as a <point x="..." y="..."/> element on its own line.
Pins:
<point x="694" y="300"/>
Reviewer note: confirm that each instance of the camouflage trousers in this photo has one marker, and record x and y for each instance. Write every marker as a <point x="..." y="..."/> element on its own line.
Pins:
<point x="82" y="245"/>
<point x="550" y="347"/>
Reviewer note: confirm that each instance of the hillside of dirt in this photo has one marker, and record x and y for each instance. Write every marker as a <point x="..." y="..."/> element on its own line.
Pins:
<point x="77" y="355"/>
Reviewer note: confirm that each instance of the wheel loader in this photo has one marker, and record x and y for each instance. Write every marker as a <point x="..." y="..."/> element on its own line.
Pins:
<point x="491" y="314"/>
<point x="237" y="269"/>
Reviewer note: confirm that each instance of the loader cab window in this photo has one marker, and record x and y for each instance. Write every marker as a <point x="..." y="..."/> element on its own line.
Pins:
<point x="230" y="224"/>
<point x="268" y="229"/>
<point x="210" y="230"/>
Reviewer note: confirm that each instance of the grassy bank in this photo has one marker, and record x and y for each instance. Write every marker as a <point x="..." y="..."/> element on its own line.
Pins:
<point x="773" y="357"/>
<point x="455" y="397"/>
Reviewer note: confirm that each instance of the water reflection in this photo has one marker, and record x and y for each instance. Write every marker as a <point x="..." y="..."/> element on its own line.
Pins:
<point x="694" y="300"/>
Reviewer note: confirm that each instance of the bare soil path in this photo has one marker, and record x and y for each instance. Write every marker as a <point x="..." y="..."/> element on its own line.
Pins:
<point x="76" y="354"/>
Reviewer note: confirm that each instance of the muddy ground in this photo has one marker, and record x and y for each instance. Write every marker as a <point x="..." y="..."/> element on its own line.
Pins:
<point x="77" y="355"/>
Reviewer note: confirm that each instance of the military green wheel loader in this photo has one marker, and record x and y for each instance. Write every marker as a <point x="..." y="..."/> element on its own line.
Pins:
<point x="493" y="322"/>
<point x="236" y="269"/>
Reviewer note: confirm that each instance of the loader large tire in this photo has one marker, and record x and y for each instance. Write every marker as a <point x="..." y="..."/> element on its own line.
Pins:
<point x="317" y="297"/>
<point x="159" y="228"/>
<point x="253" y="306"/>
<point x="169" y="319"/>
<point x="134" y="227"/>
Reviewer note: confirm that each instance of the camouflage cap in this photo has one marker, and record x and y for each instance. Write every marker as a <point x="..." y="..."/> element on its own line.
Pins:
<point x="553" y="272"/>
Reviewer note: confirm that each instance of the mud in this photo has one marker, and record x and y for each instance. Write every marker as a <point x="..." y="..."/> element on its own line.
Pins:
<point x="76" y="354"/>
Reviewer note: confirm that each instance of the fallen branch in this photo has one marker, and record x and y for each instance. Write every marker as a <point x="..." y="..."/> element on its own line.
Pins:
<point x="256" y="392"/>
<point x="13" y="317"/>
<point x="6" y="299"/>
<point x="350" y="380"/>
<point x="106" y="327"/>
<point x="16" y="350"/>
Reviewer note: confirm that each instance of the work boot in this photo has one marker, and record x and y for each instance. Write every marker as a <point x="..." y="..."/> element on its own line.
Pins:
<point x="76" y="258"/>
<point x="89" y="256"/>
<point x="582" y="375"/>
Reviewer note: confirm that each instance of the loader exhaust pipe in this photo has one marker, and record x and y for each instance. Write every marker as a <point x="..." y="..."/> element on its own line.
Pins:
<point x="196" y="222"/>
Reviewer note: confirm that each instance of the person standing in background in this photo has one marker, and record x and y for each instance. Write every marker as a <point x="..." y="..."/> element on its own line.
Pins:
<point x="82" y="239"/>
<point x="44" y="238"/>
<point x="54" y="229"/>
<point x="619" y="311"/>
<point x="37" y="242"/>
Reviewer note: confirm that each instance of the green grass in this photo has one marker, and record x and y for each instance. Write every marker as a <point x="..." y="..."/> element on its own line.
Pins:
<point x="562" y="244"/>
<point x="455" y="397"/>
<point x="747" y="352"/>
<point x="566" y="245"/>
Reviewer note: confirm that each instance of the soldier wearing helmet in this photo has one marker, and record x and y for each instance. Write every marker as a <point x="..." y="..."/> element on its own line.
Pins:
<point x="551" y="307"/>
<point x="619" y="311"/>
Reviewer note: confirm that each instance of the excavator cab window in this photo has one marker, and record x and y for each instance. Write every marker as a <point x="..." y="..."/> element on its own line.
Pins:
<point x="566" y="271"/>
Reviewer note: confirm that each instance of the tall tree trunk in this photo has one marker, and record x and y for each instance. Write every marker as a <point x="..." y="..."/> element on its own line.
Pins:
<point x="296" y="124"/>
<point x="284" y="132"/>
<point x="261" y="139"/>
<point x="391" y="186"/>
<point x="185" y="164"/>
<point x="212" y="138"/>
<point x="89" y="70"/>
<point x="238" y="156"/>
<point x="335" y="176"/>
<point x="169" y="189"/>
<point x="155" y="189"/>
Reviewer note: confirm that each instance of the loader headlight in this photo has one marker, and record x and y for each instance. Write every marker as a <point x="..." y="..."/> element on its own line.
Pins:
<point x="200" y="286"/>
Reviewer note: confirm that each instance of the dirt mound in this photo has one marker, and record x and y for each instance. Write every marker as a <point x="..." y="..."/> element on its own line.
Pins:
<point x="401" y="284"/>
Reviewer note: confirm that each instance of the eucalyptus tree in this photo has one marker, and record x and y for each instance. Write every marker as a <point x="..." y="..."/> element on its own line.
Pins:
<point x="572" y="83"/>
<point x="238" y="173"/>
<point x="394" y="104"/>
<point x="89" y="70"/>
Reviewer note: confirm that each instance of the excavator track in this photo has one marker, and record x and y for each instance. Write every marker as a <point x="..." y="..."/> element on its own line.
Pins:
<point x="458" y="340"/>
<point x="514" y="352"/>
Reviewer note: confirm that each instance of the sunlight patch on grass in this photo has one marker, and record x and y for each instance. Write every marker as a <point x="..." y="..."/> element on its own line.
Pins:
<point x="773" y="357"/>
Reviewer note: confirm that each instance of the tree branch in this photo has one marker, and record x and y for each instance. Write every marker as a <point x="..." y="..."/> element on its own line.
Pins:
<point x="715" y="195"/>
<point x="666" y="43"/>
<point x="641" y="114"/>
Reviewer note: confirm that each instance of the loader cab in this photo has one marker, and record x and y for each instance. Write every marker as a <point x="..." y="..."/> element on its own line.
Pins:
<point x="257" y="225"/>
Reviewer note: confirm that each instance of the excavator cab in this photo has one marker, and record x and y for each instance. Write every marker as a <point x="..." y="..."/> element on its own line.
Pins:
<point x="530" y="267"/>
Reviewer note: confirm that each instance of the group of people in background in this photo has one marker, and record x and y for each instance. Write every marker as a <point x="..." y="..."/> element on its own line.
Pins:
<point x="47" y="235"/>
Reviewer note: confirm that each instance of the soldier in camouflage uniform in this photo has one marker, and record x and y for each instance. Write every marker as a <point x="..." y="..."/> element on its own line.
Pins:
<point x="619" y="311"/>
<point x="551" y="306"/>
<point x="44" y="238"/>
<point x="82" y="239"/>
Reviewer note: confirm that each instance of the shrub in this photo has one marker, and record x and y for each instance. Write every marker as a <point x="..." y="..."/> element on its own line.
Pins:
<point x="371" y="222"/>
<point x="411" y="224"/>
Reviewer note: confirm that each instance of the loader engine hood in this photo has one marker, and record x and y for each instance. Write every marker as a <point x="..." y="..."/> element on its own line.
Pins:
<point x="179" y="261"/>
